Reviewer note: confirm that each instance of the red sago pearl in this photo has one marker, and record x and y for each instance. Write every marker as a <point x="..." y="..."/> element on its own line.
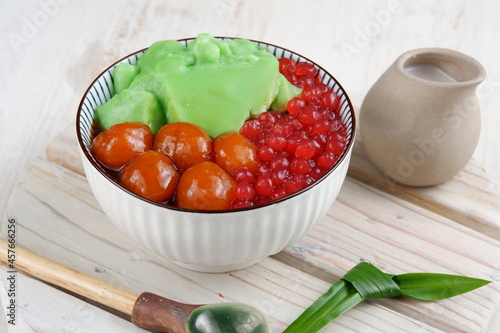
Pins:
<point x="295" y="104"/>
<point x="316" y="173"/>
<point x="276" y="142"/>
<point x="280" y="176"/>
<point x="262" y="169"/>
<point x="281" y="129"/>
<point x="326" y="160"/>
<point x="330" y="100"/>
<point x="296" y="183"/>
<point x="244" y="175"/>
<point x="334" y="146"/>
<point x="267" y="118"/>
<point x="305" y="81"/>
<point x="241" y="203"/>
<point x="245" y="191"/>
<point x="322" y="126"/>
<point x="266" y="153"/>
<point x="280" y="192"/>
<point x="252" y="129"/>
<point x="305" y="68"/>
<point x="264" y="185"/>
<point x="308" y="115"/>
<point x="322" y="88"/>
<point x="300" y="165"/>
<point x="311" y="94"/>
<point x="305" y="148"/>
<point x="279" y="163"/>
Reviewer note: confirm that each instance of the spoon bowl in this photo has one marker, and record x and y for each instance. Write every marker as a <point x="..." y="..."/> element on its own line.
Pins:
<point x="157" y="313"/>
<point x="227" y="317"/>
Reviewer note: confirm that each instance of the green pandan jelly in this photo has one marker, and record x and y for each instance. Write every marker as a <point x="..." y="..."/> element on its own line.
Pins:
<point x="216" y="84"/>
<point x="154" y="83"/>
<point x="286" y="92"/>
<point x="123" y="75"/>
<point x="133" y="106"/>
<point x="220" y="99"/>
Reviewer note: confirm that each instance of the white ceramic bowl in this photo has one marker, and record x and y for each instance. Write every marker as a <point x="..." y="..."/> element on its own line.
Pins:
<point x="211" y="241"/>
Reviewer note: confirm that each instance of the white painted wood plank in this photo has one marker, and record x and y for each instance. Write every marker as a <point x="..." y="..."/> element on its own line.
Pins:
<point x="470" y="198"/>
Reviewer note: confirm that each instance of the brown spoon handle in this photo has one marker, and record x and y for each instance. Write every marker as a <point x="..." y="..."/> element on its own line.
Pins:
<point x="68" y="278"/>
<point x="148" y="310"/>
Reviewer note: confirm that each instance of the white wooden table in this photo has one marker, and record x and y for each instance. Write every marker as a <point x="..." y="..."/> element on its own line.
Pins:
<point x="52" y="49"/>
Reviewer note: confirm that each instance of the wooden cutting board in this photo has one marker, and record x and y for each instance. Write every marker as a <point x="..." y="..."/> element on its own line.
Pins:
<point x="451" y="228"/>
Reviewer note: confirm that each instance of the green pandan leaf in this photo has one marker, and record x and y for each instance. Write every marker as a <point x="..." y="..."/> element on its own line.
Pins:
<point x="371" y="282"/>
<point x="433" y="287"/>
<point x="338" y="299"/>
<point x="367" y="281"/>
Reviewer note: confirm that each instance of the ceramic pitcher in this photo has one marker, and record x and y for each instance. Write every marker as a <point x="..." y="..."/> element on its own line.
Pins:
<point x="420" y="122"/>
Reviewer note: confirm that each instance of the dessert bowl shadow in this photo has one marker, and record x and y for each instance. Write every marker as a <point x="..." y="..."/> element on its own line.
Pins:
<point x="211" y="241"/>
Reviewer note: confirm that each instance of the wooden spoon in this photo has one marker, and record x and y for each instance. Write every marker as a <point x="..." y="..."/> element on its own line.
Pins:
<point x="146" y="310"/>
